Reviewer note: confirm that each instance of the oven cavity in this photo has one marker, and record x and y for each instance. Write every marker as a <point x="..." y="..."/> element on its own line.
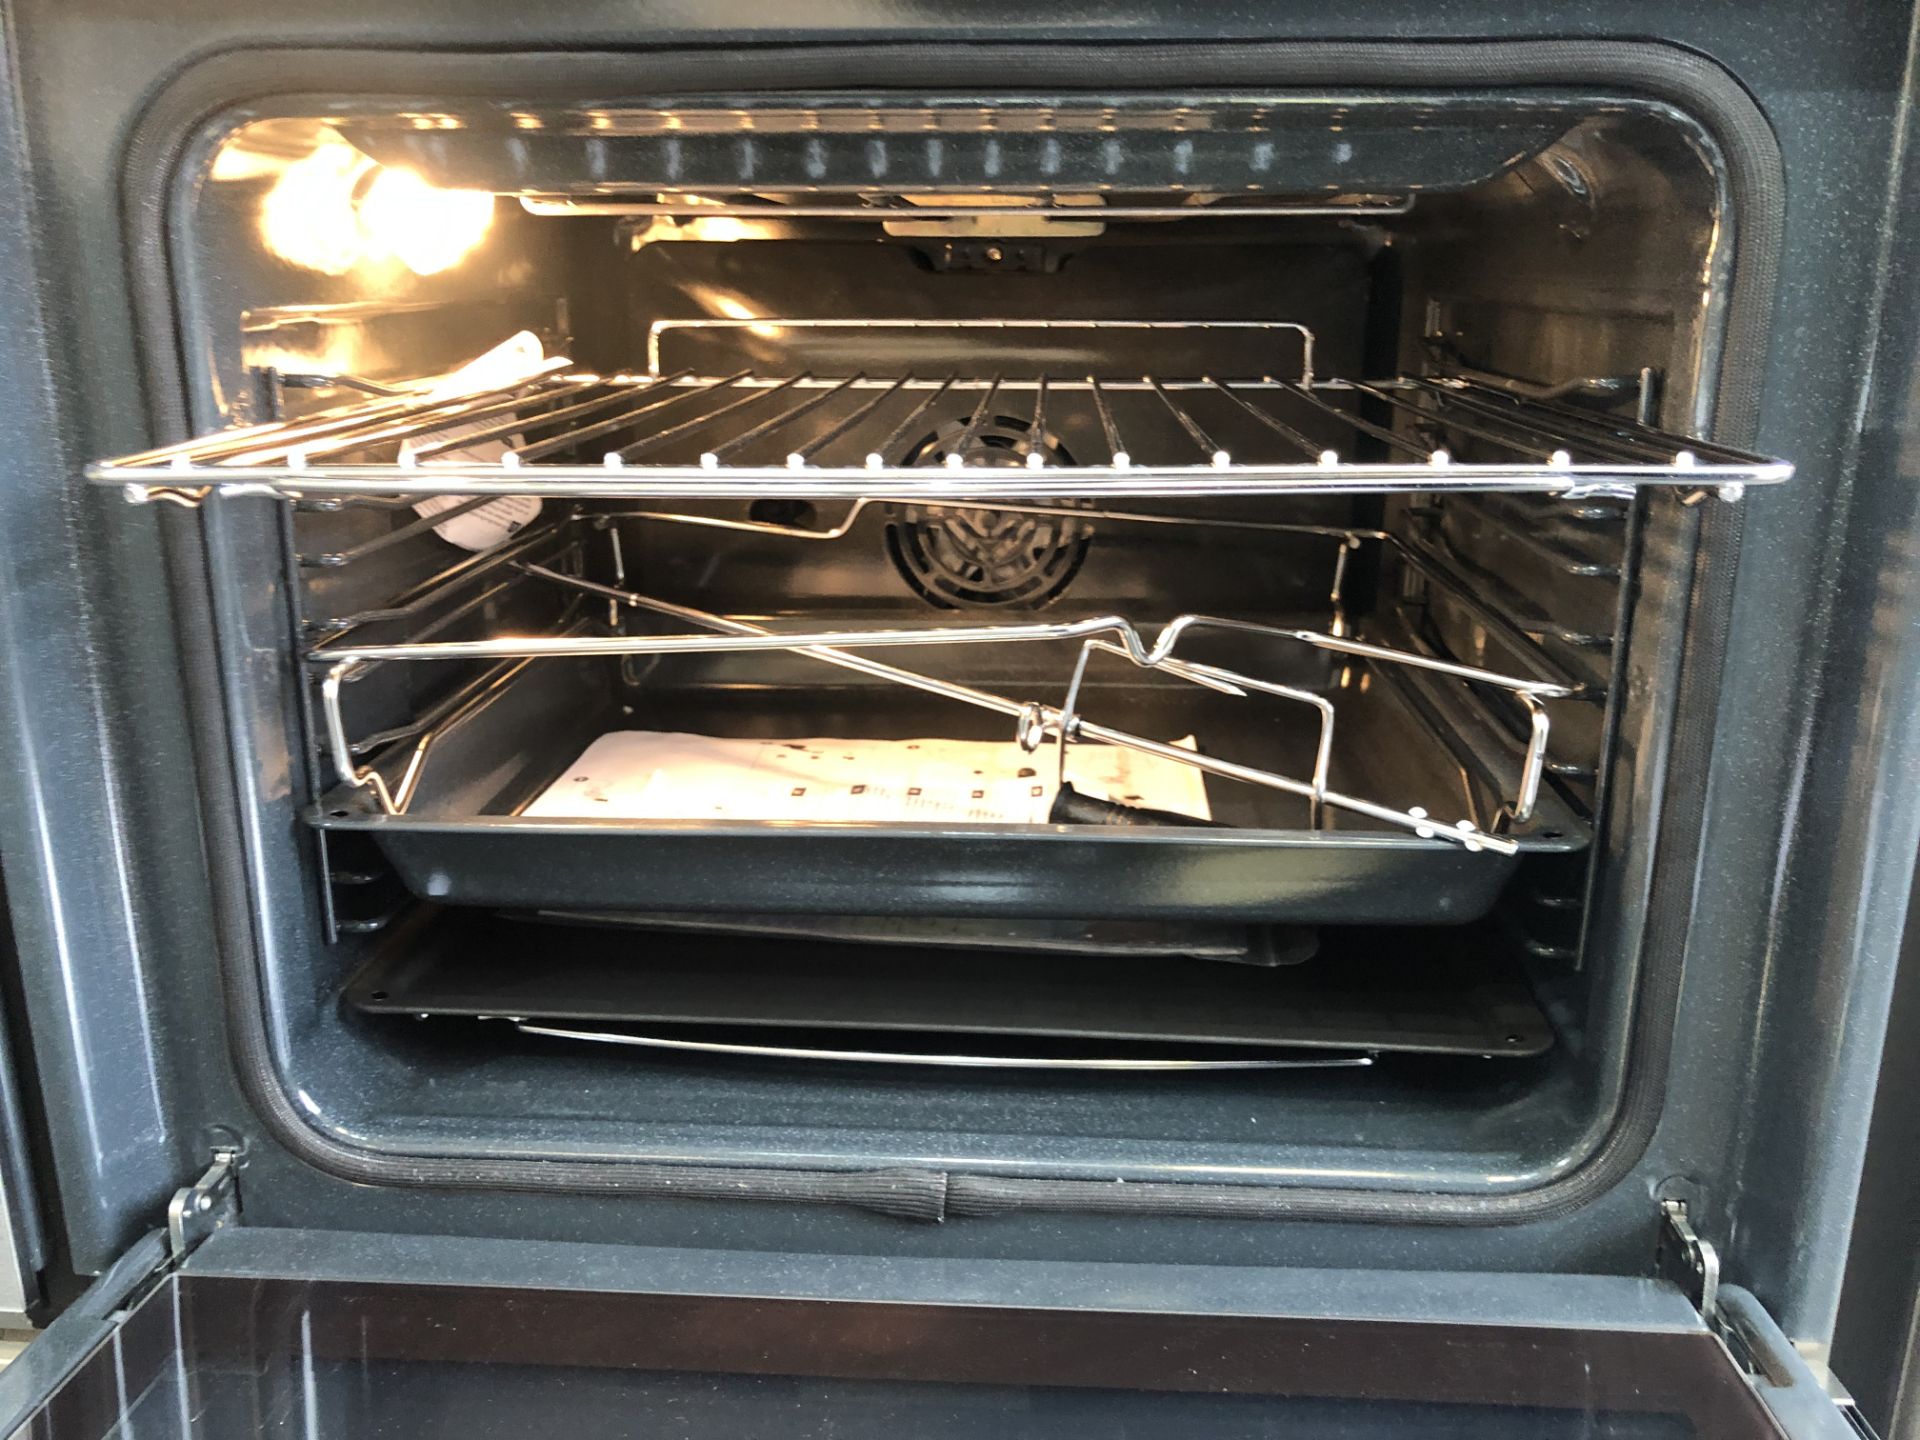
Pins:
<point x="1125" y="637"/>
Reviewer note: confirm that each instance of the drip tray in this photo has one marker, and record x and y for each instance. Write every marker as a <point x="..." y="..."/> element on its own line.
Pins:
<point x="1366" y="992"/>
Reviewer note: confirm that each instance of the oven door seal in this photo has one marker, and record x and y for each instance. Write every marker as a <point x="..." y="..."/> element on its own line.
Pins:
<point x="1687" y="80"/>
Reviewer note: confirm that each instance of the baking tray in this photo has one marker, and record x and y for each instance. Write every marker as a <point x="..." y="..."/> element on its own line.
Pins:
<point x="461" y="844"/>
<point x="1368" y="991"/>
<point x="1193" y="940"/>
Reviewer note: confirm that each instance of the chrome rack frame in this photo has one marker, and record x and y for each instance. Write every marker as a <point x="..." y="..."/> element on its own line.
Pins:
<point x="1428" y="566"/>
<point x="1035" y="723"/>
<point x="785" y="328"/>
<point x="737" y="437"/>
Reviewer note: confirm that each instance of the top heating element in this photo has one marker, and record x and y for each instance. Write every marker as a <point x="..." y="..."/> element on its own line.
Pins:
<point x="1043" y="425"/>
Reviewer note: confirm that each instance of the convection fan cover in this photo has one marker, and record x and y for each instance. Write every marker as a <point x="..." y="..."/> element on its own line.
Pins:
<point x="956" y="557"/>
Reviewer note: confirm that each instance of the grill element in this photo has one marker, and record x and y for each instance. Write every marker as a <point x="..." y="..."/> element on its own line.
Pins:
<point x="958" y="557"/>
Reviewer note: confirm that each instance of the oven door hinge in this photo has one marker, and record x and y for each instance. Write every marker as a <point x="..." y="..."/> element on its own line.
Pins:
<point x="1776" y="1368"/>
<point x="199" y="1209"/>
<point x="1688" y="1261"/>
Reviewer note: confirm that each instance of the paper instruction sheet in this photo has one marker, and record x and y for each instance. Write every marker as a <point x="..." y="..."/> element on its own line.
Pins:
<point x="663" y="775"/>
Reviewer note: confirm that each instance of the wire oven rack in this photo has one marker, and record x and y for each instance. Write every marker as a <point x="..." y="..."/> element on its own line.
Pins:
<point x="788" y="431"/>
<point x="1034" y="724"/>
<point x="748" y="434"/>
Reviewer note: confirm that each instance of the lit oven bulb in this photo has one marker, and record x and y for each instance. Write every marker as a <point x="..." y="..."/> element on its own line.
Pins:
<point x="336" y="208"/>
<point x="308" y="217"/>
<point x="426" y="228"/>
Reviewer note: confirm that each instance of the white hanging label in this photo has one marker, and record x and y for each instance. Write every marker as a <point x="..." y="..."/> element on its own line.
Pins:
<point x="489" y="525"/>
<point x="497" y="521"/>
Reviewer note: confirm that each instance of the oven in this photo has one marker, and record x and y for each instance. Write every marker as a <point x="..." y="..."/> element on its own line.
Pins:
<point x="1110" y="643"/>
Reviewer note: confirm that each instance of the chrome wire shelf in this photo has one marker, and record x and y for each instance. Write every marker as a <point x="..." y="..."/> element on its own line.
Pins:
<point x="343" y="657"/>
<point x="942" y="435"/>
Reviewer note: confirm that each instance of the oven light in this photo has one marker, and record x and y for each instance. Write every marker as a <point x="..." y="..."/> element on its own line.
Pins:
<point x="308" y="217"/>
<point x="336" y="208"/>
<point x="426" y="228"/>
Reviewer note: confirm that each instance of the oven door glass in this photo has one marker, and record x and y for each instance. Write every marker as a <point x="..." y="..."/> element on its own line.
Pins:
<point x="236" y="1343"/>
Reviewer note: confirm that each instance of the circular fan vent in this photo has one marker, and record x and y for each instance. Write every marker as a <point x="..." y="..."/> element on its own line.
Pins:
<point x="955" y="557"/>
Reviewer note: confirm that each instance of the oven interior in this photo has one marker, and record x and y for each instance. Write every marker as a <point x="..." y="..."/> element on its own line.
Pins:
<point x="491" y="927"/>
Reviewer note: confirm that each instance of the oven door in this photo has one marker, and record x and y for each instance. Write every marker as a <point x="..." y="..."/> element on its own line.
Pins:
<point x="320" y="1334"/>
